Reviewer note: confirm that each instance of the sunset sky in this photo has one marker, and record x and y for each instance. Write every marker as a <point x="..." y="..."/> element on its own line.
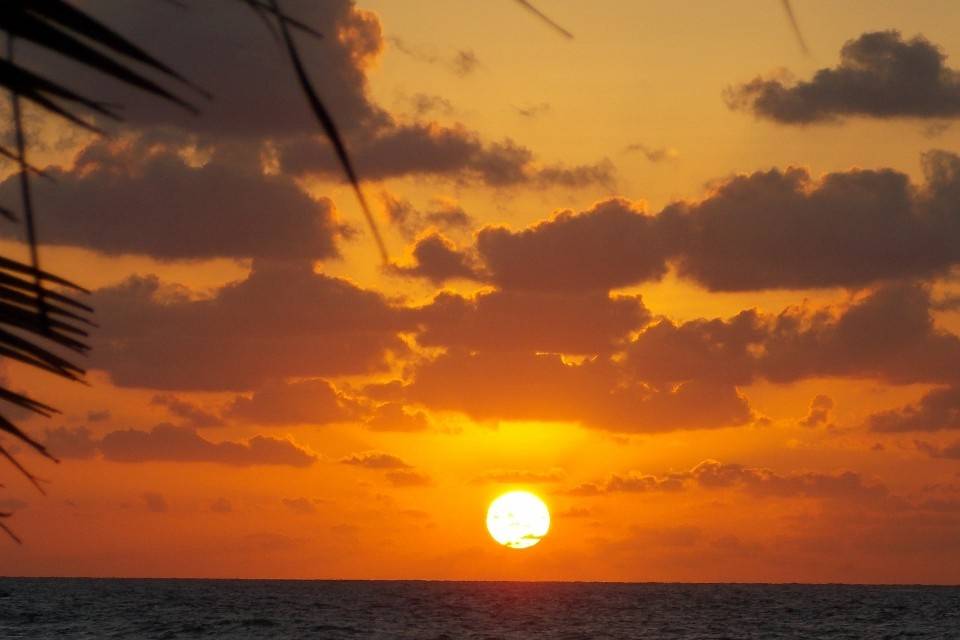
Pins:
<point x="694" y="287"/>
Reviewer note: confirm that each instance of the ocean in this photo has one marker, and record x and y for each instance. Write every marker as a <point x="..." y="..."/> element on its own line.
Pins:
<point x="89" y="608"/>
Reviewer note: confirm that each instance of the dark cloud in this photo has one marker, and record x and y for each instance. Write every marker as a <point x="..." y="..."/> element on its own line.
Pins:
<point x="299" y="505"/>
<point x="819" y="413"/>
<point x="167" y="443"/>
<point x="950" y="452"/>
<point x="424" y="104"/>
<point x="77" y="443"/>
<point x="303" y="402"/>
<point x="485" y="386"/>
<point x="375" y="460"/>
<point x="151" y="201"/>
<point x="408" y="478"/>
<point x="444" y="214"/>
<point x="9" y="505"/>
<point x="437" y="259"/>
<point x="611" y="245"/>
<point x="880" y="75"/>
<point x="534" y="110"/>
<point x="98" y="416"/>
<point x="155" y="502"/>
<point x="284" y="320"/>
<point x="190" y="414"/>
<point x="427" y="148"/>
<point x="767" y="230"/>
<point x="224" y="48"/>
<point x="519" y="476"/>
<point x="465" y="62"/>
<point x="391" y="416"/>
<point x="935" y="411"/>
<point x="578" y="323"/>
<point x="758" y="481"/>
<point x="888" y="335"/>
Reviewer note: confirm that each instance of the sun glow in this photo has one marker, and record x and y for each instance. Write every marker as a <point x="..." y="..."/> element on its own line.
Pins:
<point x="518" y="519"/>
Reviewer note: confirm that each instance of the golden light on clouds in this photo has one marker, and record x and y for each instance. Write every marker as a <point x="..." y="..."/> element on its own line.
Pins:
<point x="518" y="519"/>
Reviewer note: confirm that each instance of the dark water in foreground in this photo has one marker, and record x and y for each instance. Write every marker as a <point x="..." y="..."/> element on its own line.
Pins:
<point x="67" y="608"/>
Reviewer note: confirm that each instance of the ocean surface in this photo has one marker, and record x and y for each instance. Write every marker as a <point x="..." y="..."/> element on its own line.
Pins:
<point x="81" y="608"/>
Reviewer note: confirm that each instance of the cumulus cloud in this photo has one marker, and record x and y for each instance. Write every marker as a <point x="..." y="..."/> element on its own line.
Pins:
<point x="880" y="75"/>
<point x="127" y="198"/>
<point x="950" y="452"/>
<point x="299" y="505"/>
<point x="428" y="148"/>
<point x="284" y="320"/>
<point x="819" y="413"/>
<point x="936" y="411"/>
<point x="76" y="443"/>
<point x="190" y="414"/>
<point x="302" y="402"/>
<point x="375" y="460"/>
<point x="591" y="393"/>
<point x="777" y="229"/>
<point x="443" y="214"/>
<point x="168" y="443"/>
<point x="228" y="52"/>
<point x="611" y="245"/>
<point x="889" y="335"/>
<point x="572" y="323"/>
<point x="759" y="481"/>
<point x="155" y="502"/>
<point x="437" y="259"/>
<point x="392" y="416"/>
<point x="408" y="478"/>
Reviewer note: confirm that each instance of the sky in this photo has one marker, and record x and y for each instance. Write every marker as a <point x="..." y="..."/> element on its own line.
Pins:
<point x="694" y="287"/>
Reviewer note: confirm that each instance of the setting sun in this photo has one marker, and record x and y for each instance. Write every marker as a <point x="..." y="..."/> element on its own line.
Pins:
<point x="518" y="519"/>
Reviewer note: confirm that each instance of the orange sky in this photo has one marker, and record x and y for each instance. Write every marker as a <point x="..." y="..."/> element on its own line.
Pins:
<point x="694" y="288"/>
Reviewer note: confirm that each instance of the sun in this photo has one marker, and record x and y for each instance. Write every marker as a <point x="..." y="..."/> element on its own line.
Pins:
<point x="518" y="519"/>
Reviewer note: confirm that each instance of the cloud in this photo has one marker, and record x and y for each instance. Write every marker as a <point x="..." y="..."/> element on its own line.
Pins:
<point x="819" y="413"/>
<point x="155" y="502"/>
<point x="655" y="154"/>
<point x="424" y="104"/>
<point x="570" y="323"/>
<point x="611" y="245"/>
<point x="227" y="51"/>
<point x="437" y="259"/>
<point x="408" y="478"/>
<point x="777" y="229"/>
<point x="758" y="481"/>
<point x="284" y="320"/>
<point x="299" y="505"/>
<point x="950" y="452"/>
<point x="98" y="416"/>
<point x="191" y="415"/>
<point x="937" y="410"/>
<point x="167" y="443"/>
<point x="591" y="393"/>
<point x="77" y="443"/>
<point x="428" y="148"/>
<point x="534" y="110"/>
<point x="444" y="214"/>
<point x="462" y="63"/>
<point x="375" y="460"/>
<point x="391" y="416"/>
<point x="519" y="476"/>
<point x="303" y="402"/>
<point x="880" y="75"/>
<point x="889" y="335"/>
<point x="127" y="197"/>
